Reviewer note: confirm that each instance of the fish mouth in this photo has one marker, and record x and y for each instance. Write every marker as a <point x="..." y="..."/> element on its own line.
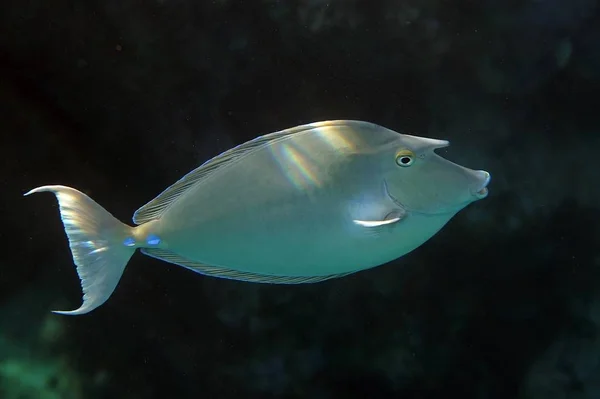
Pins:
<point x="481" y="191"/>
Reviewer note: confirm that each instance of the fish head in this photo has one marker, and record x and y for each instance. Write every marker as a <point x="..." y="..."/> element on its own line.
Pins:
<point x="421" y="181"/>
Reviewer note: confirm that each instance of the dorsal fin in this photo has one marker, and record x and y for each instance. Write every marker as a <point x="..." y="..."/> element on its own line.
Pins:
<point x="156" y="207"/>
<point x="223" y="272"/>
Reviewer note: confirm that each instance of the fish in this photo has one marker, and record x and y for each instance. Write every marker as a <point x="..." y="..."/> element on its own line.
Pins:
<point x="302" y="205"/>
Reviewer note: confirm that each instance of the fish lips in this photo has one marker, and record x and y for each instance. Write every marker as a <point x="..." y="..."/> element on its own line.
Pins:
<point x="480" y="190"/>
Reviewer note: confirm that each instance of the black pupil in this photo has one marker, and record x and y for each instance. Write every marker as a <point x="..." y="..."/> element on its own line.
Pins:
<point x="405" y="160"/>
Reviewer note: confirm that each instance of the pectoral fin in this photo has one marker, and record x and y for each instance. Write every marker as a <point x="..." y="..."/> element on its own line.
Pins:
<point x="391" y="218"/>
<point x="377" y="209"/>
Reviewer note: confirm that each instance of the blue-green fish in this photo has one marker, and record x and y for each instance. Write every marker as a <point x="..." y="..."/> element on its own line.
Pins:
<point x="301" y="205"/>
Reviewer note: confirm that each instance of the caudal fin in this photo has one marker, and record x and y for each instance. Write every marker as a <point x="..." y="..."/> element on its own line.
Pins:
<point x="97" y="240"/>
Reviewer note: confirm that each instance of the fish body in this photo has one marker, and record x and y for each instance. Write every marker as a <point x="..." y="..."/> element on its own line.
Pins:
<point x="301" y="205"/>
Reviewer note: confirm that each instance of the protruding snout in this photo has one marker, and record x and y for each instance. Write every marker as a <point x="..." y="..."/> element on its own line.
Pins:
<point x="481" y="180"/>
<point x="419" y="144"/>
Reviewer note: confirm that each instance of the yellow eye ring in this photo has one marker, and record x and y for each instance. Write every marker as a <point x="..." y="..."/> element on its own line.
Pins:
<point x="405" y="158"/>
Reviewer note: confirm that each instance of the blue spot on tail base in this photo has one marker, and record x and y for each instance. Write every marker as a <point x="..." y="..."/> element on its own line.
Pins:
<point x="152" y="240"/>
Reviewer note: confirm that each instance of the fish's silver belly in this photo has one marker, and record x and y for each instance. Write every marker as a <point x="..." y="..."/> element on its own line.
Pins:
<point x="272" y="227"/>
<point x="300" y="237"/>
<point x="291" y="238"/>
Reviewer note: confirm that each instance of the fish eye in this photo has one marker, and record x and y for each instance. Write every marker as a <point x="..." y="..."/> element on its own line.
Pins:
<point x="405" y="157"/>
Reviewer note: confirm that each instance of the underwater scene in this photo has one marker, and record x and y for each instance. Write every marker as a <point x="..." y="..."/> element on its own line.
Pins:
<point x="300" y="199"/>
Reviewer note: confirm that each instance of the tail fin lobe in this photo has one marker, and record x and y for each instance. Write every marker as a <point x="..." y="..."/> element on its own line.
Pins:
<point x="97" y="242"/>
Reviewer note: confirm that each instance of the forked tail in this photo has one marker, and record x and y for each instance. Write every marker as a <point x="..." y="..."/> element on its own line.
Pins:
<point x="98" y="245"/>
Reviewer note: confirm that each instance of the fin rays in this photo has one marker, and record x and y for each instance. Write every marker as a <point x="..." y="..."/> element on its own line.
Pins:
<point x="156" y="207"/>
<point x="95" y="239"/>
<point x="222" y="272"/>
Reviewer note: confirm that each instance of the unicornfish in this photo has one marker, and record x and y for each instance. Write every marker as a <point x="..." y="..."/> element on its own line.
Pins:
<point x="301" y="205"/>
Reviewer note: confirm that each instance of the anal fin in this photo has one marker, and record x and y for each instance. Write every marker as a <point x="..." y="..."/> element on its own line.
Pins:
<point x="222" y="272"/>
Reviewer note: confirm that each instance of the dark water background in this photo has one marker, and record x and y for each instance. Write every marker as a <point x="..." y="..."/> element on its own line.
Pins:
<point x="120" y="98"/>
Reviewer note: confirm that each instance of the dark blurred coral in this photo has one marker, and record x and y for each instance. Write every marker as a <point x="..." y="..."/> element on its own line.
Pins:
<point x="121" y="98"/>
